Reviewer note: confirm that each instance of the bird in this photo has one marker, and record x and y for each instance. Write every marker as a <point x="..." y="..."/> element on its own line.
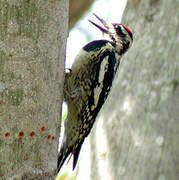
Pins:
<point x="87" y="85"/>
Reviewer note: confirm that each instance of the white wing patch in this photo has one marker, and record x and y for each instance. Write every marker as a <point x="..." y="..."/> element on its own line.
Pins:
<point x="97" y="90"/>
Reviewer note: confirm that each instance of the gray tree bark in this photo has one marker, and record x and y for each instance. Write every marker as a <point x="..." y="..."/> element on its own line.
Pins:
<point x="32" y="50"/>
<point x="140" y="120"/>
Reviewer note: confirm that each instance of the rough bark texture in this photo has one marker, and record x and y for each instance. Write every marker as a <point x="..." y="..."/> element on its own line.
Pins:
<point x="77" y="9"/>
<point x="140" y="119"/>
<point x="32" y="50"/>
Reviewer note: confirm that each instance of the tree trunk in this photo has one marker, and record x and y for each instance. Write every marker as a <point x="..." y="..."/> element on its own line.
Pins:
<point x="139" y="124"/>
<point x="32" y="50"/>
<point x="77" y="10"/>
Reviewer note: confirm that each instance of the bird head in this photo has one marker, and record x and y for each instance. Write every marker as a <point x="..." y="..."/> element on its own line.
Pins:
<point x="119" y="34"/>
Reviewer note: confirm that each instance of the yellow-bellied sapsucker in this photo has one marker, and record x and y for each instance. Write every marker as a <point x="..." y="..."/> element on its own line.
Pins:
<point x="87" y="85"/>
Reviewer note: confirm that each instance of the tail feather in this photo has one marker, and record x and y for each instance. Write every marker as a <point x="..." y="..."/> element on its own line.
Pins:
<point x="64" y="153"/>
<point x="76" y="155"/>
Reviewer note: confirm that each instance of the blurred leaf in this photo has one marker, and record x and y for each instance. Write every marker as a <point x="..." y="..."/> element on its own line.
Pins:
<point x="65" y="176"/>
<point x="64" y="116"/>
<point x="62" y="177"/>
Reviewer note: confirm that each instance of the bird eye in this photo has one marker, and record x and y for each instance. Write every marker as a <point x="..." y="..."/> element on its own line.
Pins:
<point x="116" y="26"/>
<point x="118" y="29"/>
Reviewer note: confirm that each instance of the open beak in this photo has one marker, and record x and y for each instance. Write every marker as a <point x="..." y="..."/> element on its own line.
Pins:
<point x="106" y="26"/>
